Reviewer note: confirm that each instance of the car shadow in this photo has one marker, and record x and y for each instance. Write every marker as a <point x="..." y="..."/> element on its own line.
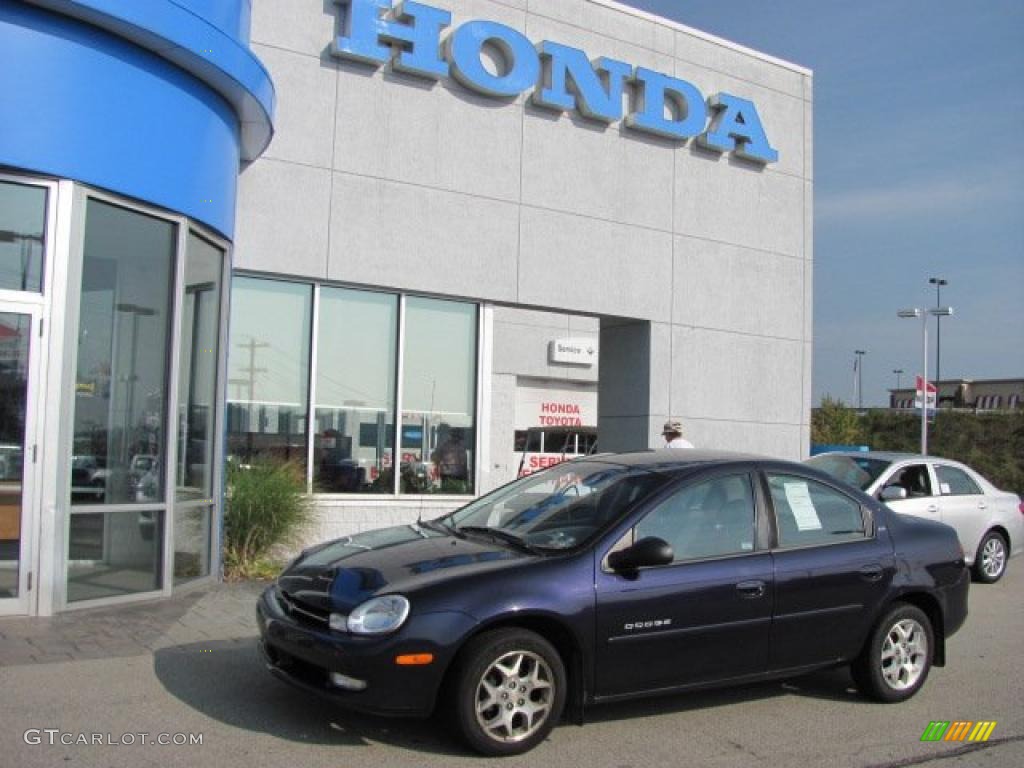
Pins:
<point x="227" y="681"/>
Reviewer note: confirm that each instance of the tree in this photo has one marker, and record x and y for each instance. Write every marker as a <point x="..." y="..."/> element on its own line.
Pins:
<point x="834" y="424"/>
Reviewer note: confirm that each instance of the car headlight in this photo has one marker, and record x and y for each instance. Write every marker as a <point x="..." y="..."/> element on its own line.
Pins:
<point x="375" y="617"/>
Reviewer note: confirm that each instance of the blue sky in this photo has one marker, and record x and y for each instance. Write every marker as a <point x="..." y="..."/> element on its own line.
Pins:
<point x="919" y="172"/>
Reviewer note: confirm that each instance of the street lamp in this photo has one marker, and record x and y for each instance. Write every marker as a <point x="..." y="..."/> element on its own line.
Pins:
<point x="859" y="366"/>
<point x="938" y="282"/>
<point x="923" y="314"/>
<point x="899" y="373"/>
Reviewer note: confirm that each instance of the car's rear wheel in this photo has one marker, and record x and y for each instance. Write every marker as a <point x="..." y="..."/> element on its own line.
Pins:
<point x="509" y="691"/>
<point x="990" y="560"/>
<point x="898" y="655"/>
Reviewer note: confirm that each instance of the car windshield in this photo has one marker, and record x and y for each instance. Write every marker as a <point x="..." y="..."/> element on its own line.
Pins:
<point x="857" y="471"/>
<point x="559" y="508"/>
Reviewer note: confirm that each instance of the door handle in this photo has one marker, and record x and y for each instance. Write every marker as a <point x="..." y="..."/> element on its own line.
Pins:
<point x="932" y="508"/>
<point x="982" y="505"/>
<point x="871" y="572"/>
<point x="751" y="589"/>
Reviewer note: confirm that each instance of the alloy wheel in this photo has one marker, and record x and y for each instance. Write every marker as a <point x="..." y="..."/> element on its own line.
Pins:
<point x="993" y="557"/>
<point x="904" y="654"/>
<point x="514" y="696"/>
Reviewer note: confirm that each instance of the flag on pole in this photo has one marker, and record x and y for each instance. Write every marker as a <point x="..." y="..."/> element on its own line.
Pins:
<point x="919" y="394"/>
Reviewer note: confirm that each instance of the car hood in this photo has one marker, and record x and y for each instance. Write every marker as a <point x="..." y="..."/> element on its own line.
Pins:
<point x="341" y="574"/>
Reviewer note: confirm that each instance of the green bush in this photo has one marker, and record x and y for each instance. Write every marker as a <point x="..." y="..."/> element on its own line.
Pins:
<point x="266" y="508"/>
<point x="991" y="443"/>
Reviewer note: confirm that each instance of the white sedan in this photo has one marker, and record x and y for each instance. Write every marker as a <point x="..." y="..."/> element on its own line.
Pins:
<point x="989" y="522"/>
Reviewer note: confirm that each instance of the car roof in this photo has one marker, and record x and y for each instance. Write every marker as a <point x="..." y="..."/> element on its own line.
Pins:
<point x="883" y="455"/>
<point x="668" y="459"/>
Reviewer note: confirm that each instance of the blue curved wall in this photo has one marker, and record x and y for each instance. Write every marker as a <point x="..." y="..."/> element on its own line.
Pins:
<point x="158" y="101"/>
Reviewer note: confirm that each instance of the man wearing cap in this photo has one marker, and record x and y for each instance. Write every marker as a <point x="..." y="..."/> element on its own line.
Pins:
<point x="673" y="434"/>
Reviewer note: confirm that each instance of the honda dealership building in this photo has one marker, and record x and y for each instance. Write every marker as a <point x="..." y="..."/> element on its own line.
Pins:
<point x="414" y="251"/>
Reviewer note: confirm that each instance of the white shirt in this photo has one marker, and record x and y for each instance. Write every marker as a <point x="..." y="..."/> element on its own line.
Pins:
<point x="678" y="442"/>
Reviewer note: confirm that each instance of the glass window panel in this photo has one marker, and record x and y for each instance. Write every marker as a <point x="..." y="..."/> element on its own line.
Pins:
<point x="268" y="370"/>
<point x="114" y="553"/>
<point x="15" y="339"/>
<point x="357" y="340"/>
<point x="708" y="519"/>
<point x="810" y="513"/>
<point x="438" y="397"/>
<point x="197" y="372"/>
<point x="192" y="543"/>
<point x="956" y="482"/>
<point x="22" y="234"/>
<point x="123" y="341"/>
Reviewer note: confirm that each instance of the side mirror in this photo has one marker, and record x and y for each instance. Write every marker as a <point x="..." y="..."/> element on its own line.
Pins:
<point x="647" y="552"/>
<point x="893" y="493"/>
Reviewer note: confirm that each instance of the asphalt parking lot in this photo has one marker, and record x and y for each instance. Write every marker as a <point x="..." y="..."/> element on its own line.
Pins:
<point x="189" y="666"/>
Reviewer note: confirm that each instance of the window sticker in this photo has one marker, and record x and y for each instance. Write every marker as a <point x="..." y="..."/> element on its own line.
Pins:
<point x="799" y="498"/>
<point x="945" y="489"/>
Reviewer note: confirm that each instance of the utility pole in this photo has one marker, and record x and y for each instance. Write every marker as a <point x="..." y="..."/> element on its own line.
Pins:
<point x="860" y="377"/>
<point x="252" y="345"/>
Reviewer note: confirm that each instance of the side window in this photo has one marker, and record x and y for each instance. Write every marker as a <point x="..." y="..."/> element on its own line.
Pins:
<point x="955" y="482"/>
<point x="706" y="519"/>
<point x="914" y="479"/>
<point x="810" y="512"/>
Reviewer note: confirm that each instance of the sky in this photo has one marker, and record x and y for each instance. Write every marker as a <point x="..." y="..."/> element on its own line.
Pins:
<point x="918" y="173"/>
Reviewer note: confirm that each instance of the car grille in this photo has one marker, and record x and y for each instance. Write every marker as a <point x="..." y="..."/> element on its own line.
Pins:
<point x="302" y="611"/>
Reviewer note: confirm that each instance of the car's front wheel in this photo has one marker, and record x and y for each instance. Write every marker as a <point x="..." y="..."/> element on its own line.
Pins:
<point x="898" y="656"/>
<point x="990" y="560"/>
<point x="509" y="691"/>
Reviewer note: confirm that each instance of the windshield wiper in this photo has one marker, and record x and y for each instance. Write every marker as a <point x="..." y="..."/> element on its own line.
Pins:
<point x="498" y="533"/>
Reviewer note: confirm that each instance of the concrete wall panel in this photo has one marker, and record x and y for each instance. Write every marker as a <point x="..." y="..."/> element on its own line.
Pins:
<point x="417" y="238"/>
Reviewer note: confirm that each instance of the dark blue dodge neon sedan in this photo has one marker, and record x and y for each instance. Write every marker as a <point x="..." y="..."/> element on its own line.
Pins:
<point x="617" y="576"/>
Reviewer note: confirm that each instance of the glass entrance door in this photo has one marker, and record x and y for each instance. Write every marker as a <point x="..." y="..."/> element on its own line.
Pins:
<point x="17" y="450"/>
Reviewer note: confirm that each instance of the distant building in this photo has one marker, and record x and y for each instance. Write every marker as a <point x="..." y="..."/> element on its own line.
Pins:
<point x="980" y="395"/>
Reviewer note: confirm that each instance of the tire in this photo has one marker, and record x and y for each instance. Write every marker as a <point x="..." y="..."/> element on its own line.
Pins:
<point x="509" y="691"/>
<point x="990" y="559"/>
<point x="897" y="657"/>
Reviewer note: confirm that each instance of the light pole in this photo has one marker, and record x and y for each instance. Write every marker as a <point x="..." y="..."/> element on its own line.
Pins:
<point x="859" y="360"/>
<point x="899" y="373"/>
<point x="135" y="312"/>
<point x="938" y="282"/>
<point x="923" y="314"/>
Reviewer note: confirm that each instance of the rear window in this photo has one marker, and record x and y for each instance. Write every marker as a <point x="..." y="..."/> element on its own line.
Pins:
<point x="852" y="470"/>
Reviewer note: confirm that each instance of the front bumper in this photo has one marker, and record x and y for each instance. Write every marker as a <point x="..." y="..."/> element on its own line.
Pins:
<point x="305" y="655"/>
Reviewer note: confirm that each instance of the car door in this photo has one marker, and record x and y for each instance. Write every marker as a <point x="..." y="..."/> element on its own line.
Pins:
<point x="963" y="505"/>
<point x="832" y="569"/>
<point x="922" y="498"/>
<point x="703" y="617"/>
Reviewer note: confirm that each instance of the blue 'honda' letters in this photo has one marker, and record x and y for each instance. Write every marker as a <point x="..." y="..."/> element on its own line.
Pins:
<point x="408" y="36"/>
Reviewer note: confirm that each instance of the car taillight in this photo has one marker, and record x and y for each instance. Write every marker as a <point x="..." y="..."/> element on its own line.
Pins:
<point x="1021" y="507"/>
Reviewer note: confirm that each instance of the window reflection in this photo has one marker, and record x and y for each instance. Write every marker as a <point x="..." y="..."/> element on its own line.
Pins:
<point x="15" y="339"/>
<point x="197" y="371"/>
<point x="439" y="397"/>
<point x="22" y="226"/>
<point x="123" y="342"/>
<point x="114" y="553"/>
<point x="355" y="391"/>
<point x="268" y="372"/>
